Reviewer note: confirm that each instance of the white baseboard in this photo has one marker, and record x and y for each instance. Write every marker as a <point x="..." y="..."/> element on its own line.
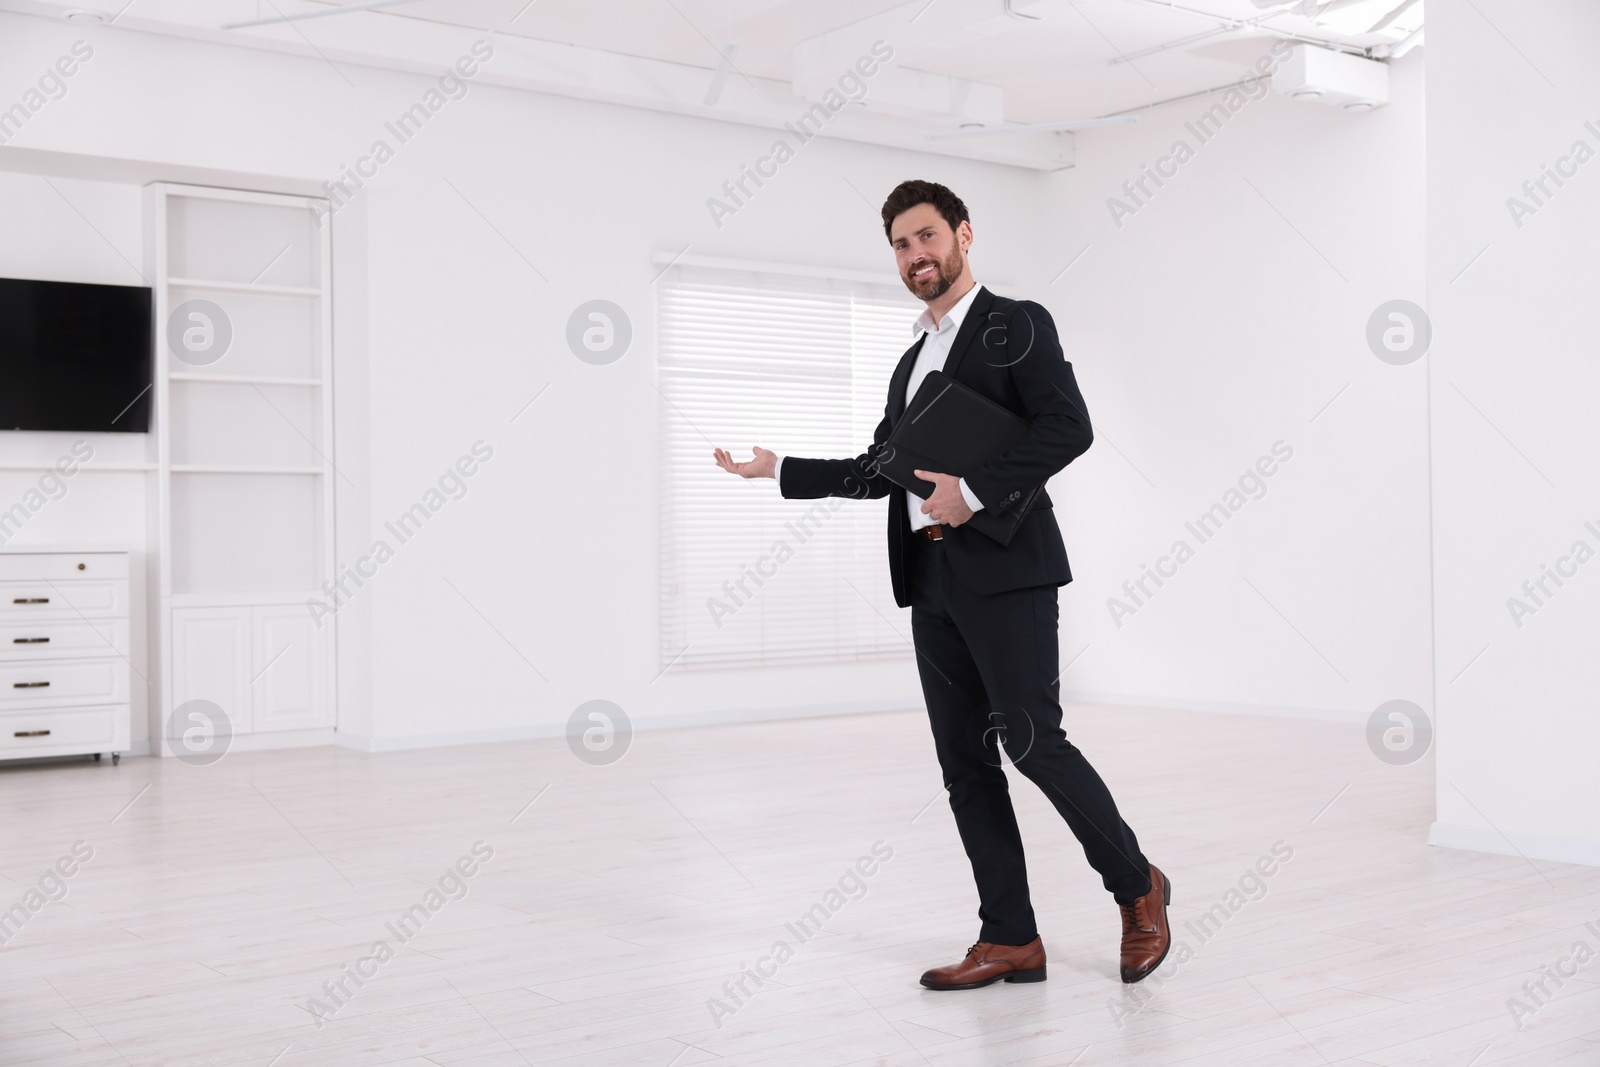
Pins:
<point x="1531" y="846"/>
<point x="1271" y="711"/>
<point x="544" y="731"/>
<point x="262" y="742"/>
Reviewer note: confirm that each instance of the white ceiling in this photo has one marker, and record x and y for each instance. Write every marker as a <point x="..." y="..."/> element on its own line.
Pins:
<point x="1074" y="59"/>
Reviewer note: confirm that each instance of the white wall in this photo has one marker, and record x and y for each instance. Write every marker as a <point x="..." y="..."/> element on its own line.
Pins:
<point x="1223" y="316"/>
<point x="1513" y="379"/>
<point x="1203" y="330"/>
<point x="555" y="542"/>
<point x="80" y="231"/>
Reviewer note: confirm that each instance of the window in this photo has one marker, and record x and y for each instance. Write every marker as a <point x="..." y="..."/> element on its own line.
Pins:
<point x="801" y="366"/>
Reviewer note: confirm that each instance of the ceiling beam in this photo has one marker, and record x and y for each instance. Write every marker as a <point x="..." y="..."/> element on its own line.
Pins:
<point x="913" y="30"/>
<point x="373" y="39"/>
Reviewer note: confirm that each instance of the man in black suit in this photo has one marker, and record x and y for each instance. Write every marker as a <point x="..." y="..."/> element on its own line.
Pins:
<point x="984" y="615"/>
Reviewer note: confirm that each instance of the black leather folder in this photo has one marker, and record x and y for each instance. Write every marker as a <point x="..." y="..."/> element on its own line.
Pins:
<point x="952" y="429"/>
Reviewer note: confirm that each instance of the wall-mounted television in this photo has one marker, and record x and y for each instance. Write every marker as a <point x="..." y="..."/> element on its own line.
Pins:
<point x="75" y="357"/>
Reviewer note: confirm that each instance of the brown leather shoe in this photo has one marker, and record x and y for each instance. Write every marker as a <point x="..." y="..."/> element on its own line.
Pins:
<point x="1145" y="934"/>
<point x="987" y="962"/>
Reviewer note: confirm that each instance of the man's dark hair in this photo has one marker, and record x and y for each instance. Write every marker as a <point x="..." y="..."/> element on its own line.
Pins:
<point x="908" y="195"/>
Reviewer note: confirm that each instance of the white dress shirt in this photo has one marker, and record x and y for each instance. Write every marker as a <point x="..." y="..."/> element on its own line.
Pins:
<point x="935" y="349"/>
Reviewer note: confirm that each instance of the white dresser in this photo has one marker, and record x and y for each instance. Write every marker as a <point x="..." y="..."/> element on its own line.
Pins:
<point x="64" y="640"/>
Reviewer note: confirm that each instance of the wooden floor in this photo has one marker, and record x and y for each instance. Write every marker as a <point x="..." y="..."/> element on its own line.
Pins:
<point x="620" y="905"/>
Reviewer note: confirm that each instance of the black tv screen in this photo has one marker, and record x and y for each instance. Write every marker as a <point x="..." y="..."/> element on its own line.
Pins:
<point x="75" y="357"/>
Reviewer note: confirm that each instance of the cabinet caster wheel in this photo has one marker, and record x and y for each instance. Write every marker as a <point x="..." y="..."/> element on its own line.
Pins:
<point x="116" y="758"/>
<point x="97" y="757"/>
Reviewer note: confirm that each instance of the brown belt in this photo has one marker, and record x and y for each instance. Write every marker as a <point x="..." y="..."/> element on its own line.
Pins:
<point x="932" y="533"/>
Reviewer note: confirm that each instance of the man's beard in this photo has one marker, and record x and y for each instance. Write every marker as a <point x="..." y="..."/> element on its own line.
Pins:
<point x="944" y="276"/>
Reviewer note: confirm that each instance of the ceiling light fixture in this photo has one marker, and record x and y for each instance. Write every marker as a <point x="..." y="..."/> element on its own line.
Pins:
<point x="1335" y="79"/>
<point x="85" y="17"/>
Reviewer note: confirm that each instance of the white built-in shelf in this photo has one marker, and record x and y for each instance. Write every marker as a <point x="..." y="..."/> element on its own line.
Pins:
<point x="231" y="379"/>
<point x="246" y="530"/>
<point x="223" y="600"/>
<point x="89" y="466"/>
<point x="197" y="468"/>
<point x="245" y="287"/>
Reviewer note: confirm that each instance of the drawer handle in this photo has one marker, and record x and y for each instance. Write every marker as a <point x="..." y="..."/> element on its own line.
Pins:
<point x="30" y="685"/>
<point x="30" y="733"/>
<point x="30" y="640"/>
<point x="30" y="600"/>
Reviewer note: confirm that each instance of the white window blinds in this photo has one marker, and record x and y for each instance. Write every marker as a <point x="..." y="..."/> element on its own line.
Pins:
<point x="800" y="366"/>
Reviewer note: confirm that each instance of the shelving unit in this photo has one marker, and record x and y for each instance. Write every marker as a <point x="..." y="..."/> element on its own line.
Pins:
<point x="97" y="467"/>
<point x="246" y="287"/>
<point x="192" y="468"/>
<point x="241" y="379"/>
<point x="244" y="476"/>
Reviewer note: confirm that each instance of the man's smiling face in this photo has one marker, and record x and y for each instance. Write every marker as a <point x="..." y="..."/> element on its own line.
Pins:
<point x="928" y="252"/>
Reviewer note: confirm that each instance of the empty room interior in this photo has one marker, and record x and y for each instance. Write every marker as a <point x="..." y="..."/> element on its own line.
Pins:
<point x="833" y="533"/>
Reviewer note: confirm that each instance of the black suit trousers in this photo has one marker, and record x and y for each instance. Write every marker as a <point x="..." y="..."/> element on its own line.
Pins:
<point x="989" y="669"/>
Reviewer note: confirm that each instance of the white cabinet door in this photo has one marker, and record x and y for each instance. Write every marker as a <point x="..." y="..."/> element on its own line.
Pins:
<point x="211" y="661"/>
<point x="291" y="687"/>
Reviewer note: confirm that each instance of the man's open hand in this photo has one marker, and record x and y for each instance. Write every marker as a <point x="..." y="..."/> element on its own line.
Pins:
<point x="946" y="506"/>
<point x="760" y="467"/>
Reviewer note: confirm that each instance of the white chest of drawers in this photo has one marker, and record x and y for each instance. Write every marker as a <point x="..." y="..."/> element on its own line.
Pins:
<point x="64" y="671"/>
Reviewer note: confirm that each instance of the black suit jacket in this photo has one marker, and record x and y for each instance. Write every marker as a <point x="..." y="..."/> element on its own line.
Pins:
<point x="1008" y="351"/>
